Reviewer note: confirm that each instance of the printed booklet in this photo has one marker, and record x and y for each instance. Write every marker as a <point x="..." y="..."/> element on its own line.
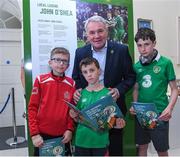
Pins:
<point x="52" y="147"/>
<point x="147" y="114"/>
<point x="100" y="115"/>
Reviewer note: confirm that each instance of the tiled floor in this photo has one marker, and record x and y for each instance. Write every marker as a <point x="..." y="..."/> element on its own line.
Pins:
<point x="7" y="137"/>
<point x="24" y="152"/>
<point x="15" y="152"/>
<point x="19" y="151"/>
<point x="172" y="152"/>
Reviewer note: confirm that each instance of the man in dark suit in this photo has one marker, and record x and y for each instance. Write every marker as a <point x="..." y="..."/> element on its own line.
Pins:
<point x="116" y="70"/>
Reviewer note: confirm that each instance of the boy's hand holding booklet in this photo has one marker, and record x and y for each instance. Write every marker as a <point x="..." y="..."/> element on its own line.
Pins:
<point x="147" y="114"/>
<point x="52" y="147"/>
<point x="100" y="115"/>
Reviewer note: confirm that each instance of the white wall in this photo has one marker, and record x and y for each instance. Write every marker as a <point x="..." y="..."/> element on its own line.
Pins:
<point x="164" y="15"/>
<point x="10" y="50"/>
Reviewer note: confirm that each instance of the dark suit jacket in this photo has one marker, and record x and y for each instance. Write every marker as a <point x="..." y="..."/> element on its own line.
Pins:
<point x="118" y="73"/>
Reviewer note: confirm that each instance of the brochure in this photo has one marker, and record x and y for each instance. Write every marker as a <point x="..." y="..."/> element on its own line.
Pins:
<point x="147" y="114"/>
<point x="100" y="115"/>
<point x="52" y="147"/>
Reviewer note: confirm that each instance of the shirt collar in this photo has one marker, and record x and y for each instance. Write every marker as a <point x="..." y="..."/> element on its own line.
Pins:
<point x="57" y="77"/>
<point x="105" y="47"/>
<point x="157" y="57"/>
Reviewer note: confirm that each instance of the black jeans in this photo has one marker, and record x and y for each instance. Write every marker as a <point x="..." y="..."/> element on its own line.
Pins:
<point x="116" y="142"/>
<point x="79" y="151"/>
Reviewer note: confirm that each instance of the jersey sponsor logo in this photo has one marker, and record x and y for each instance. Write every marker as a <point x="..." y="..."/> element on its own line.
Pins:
<point x="147" y="82"/>
<point x="35" y="90"/>
<point x="156" y="69"/>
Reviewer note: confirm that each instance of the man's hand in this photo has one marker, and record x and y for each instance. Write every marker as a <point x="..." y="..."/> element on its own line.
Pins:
<point x="37" y="140"/>
<point x="77" y="95"/>
<point x="67" y="136"/>
<point x="120" y="123"/>
<point x="114" y="92"/>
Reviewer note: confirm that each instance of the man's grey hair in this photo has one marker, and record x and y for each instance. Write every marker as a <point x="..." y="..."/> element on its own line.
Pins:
<point x="95" y="18"/>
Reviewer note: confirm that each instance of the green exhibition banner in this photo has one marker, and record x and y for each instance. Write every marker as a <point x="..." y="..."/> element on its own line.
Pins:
<point x="51" y="23"/>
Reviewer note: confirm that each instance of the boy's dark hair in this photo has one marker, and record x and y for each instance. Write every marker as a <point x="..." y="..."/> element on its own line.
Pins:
<point x="59" y="50"/>
<point x="145" y="34"/>
<point x="88" y="61"/>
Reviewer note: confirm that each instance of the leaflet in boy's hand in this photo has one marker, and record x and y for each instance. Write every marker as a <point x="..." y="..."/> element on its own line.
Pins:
<point x="147" y="114"/>
<point x="100" y="115"/>
<point x="52" y="147"/>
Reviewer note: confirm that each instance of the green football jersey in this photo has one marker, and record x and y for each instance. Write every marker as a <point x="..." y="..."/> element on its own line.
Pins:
<point x="84" y="136"/>
<point x="153" y="81"/>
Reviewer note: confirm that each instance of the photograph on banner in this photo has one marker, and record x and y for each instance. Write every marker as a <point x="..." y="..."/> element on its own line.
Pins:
<point x="116" y="16"/>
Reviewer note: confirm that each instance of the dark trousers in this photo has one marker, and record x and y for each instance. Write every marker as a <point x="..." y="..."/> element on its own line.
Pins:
<point x="46" y="137"/>
<point x="79" y="151"/>
<point x="116" y="142"/>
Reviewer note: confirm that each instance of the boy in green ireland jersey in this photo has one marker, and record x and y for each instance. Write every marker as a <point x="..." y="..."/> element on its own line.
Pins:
<point x="154" y="74"/>
<point x="87" y="141"/>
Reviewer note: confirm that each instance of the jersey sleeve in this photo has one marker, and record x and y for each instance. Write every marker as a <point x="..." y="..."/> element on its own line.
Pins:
<point x="170" y="71"/>
<point x="33" y="108"/>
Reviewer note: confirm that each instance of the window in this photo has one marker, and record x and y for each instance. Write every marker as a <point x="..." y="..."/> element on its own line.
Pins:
<point x="10" y="15"/>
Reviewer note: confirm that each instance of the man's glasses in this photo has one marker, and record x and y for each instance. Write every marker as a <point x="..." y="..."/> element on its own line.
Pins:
<point x="60" y="61"/>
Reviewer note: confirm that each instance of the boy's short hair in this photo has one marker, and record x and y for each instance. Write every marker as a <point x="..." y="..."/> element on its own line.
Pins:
<point x="88" y="61"/>
<point x="59" y="50"/>
<point x="145" y="34"/>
